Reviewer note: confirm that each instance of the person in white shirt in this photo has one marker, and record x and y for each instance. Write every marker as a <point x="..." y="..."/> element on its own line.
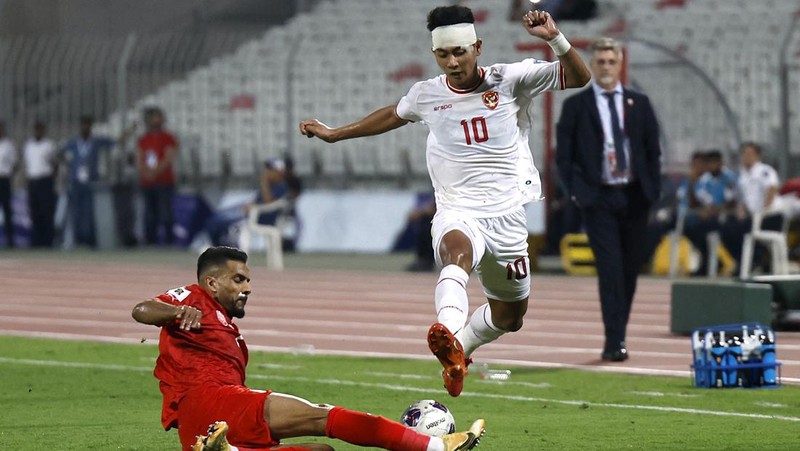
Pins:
<point x="758" y="187"/>
<point x="8" y="165"/>
<point x="40" y="157"/>
<point x="482" y="173"/>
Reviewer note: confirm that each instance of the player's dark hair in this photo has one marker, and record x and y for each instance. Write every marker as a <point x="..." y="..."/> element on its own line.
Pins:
<point x="698" y="155"/>
<point x="86" y="119"/>
<point x="218" y="256"/>
<point x="754" y="145"/>
<point x="449" y="15"/>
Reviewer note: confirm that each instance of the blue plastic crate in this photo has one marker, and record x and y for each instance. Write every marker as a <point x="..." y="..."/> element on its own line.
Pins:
<point x="735" y="355"/>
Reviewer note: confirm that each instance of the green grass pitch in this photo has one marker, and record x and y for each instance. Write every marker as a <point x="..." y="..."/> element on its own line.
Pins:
<point x="60" y="395"/>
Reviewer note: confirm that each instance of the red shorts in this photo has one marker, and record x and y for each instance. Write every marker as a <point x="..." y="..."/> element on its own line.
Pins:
<point x="239" y="406"/>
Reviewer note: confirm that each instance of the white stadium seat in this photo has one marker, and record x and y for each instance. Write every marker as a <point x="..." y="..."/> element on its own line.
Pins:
<point x="339" y="57"/>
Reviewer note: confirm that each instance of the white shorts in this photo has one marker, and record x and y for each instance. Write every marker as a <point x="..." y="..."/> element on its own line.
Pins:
<point x="499" y="250"/>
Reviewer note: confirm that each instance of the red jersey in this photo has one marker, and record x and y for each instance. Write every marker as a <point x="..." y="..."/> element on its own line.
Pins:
<point x="152" y="150"/>
<point x="213" y="355"/>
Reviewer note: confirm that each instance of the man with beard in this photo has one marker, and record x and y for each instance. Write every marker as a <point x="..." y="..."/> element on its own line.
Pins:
<point x="201" y="369"/>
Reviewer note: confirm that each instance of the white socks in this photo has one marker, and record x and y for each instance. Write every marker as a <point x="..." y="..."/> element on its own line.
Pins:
<point x="479" y="331"/>
<point x="436" y="444"/>
<point x="452" y="305"/>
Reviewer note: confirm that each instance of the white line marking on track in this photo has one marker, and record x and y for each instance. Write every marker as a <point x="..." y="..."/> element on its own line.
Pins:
<point x="340" y="382"/>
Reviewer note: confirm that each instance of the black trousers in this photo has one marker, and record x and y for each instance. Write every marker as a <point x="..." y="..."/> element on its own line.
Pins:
<point x="695" y="229"/>
<point x="617" y="228"/>
<point x="157" y="212"/>
<point x="8" y="215"/>
<point x="424" y="250"/>
<point x="734" y="230"/>
<point x="42" y="207"/>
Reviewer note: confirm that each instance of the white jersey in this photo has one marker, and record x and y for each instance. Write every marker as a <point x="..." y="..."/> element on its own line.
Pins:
<point x="477" y="150"/>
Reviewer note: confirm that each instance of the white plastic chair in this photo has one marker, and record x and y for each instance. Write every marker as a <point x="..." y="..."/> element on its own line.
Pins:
<point x="712" y="244"/>
<point x="774" y="239"/>
<point x="674" y="241"/>
<point x="271" y="233"/>
<point x="712" y="240"/>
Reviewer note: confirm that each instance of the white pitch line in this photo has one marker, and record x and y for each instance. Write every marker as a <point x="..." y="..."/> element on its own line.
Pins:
<point x="398" y="375"/>
<point x="340" y="382"/>
<point x="660" y="394"/>
<point x="277" y="366"/>
<point x="61" y="363"/>
<point x="611" y="369"/>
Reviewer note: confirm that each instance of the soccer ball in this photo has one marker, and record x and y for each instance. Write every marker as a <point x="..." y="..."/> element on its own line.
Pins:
<point x="429" y="417"/>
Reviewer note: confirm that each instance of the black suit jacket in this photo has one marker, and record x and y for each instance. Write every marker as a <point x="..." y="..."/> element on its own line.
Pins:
<point x="579" y="146"/>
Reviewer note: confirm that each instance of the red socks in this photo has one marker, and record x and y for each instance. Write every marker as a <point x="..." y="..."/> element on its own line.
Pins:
<point x="364" y="429"/>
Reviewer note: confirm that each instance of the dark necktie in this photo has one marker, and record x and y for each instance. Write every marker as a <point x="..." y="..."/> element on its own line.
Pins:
<point x="619" y="140"/>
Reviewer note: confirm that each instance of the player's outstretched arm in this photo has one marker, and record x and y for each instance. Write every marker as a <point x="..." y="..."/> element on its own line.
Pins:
<point x="541" y="24"/>
<point x="379" y="121"/>
<point x="156" y="313"/>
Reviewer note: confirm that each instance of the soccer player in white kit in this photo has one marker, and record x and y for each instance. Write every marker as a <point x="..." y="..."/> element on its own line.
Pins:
<point x="482" y="173"/>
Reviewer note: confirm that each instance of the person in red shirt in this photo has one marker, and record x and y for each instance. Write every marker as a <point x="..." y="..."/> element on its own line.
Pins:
<point x="201" y="368"/>
<point x="155" y="157"/>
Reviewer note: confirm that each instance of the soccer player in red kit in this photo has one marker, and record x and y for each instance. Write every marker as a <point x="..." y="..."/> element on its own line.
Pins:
<point x="201" y="369"/>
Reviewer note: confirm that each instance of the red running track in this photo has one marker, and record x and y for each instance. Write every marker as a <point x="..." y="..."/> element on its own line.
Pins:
<point x="352" y="313"/>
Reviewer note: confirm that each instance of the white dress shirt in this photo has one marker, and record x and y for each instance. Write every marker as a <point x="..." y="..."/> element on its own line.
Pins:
<point x="610" y="175"/>
<point x="39" y="156"/>
<point x="8" y="157"/>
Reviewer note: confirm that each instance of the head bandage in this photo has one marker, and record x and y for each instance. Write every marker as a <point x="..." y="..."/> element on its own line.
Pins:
<point x="458" y="35"/>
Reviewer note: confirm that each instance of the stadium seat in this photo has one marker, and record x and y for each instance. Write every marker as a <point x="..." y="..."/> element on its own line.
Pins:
<point x="271" y="233"/>
<point x="775" y="240"/>
<point x="340" y="81"/>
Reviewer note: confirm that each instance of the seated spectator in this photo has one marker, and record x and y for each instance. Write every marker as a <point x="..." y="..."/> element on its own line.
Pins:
<point x="675" y="202"/>
<point x="272" y="187"/>
<point x="713" y="197"/>
<point x="757" y="193"/>
<point x="277" y="181"/>
<point x="686" y="188"/>
<point x="421" y="218"/>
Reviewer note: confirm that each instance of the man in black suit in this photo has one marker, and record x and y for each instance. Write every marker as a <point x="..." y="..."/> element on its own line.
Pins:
<point x="608" y="158"/>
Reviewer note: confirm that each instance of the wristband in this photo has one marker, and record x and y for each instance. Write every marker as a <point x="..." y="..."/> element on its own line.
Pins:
<point x="560" y="45"/>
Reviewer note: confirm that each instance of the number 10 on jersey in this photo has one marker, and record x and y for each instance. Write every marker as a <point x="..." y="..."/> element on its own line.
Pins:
<point x="477" y="126"/>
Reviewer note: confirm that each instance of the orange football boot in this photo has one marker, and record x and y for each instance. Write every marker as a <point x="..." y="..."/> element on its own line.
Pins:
<point x="448" y="350"/>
